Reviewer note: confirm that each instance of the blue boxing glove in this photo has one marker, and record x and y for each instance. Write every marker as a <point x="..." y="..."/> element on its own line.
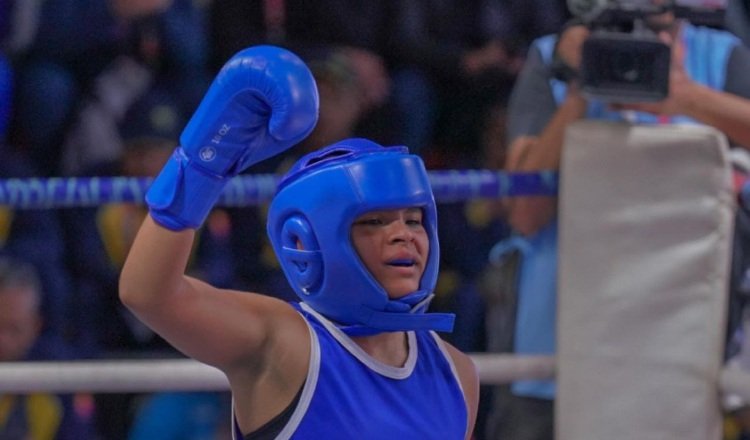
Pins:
<point x="263" y="101"/>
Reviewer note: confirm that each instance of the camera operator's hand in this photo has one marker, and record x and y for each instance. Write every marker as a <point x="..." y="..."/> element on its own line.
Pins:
<point x="567" y="58"/>
<point x="727" y="112"/>
<point x="570" y="46"/>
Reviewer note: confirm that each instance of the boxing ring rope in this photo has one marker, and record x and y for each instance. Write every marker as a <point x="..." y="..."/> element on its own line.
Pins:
<point x="113" y="376"/>
<point x="448" y="186"/>
<point x="108" y="376"/>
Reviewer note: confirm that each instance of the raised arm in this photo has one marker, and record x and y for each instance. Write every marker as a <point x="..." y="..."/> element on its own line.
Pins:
<point x="262" y="102"/>
<point x="528" y="215"/>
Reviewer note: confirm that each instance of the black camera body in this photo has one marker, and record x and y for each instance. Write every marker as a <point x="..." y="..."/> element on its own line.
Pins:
<point x="622" y="67"/>
<point x="622" y="60"/>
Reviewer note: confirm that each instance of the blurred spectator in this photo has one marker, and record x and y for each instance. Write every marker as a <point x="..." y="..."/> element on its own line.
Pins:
<point x="6" y="12"/>
<point x="354" y="29"/>
<point x="461" y="267"/>
<point x="341" y="108"/>
<point x="40" y="416"/>
<point x="523" y="21"/>
<point x="351" y="29"/>
<point x="37" y="236"/>
<point x="450" y="62"/>
<point x="18" y="24"/>
<point x="236" y="24"/>
<point x="6" y="95"/>
<point x="34" y="235"/>
<point x="480" y="222"/>
<point x="99" y="237"/>
<point x="463" y="287"/>
<point x="183" y="416"/>
<point x="77" y="41"/>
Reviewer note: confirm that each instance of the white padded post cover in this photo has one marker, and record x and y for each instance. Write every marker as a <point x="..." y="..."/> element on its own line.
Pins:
<point x="646" y="223"/>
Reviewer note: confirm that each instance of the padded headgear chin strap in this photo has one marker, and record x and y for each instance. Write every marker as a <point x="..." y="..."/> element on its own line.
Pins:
<point x="316" y="205"/>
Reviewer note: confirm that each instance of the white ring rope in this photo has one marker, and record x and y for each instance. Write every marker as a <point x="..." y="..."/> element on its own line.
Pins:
<point x="505" y="368"/>
<point x="189" y="375"/>
<point x="110" y="376"/>
<point x="735" y="381"/>
<point x="186" y="374"/>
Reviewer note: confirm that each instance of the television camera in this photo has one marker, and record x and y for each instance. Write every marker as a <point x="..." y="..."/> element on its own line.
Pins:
<point x="623" y="59"/>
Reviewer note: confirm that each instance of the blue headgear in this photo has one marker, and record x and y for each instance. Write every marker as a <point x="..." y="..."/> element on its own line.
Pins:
<point x="316" y="204"/>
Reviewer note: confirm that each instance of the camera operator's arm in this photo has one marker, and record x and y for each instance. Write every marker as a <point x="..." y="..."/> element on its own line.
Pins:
<point x="724" y="111"/>
<point x="529" y="214"/>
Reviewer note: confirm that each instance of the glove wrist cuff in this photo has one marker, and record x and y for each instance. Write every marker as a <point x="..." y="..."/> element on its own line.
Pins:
<point x="183" y="193"/>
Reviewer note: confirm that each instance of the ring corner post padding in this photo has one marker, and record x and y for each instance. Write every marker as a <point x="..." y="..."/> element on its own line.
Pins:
<point x="646" y="222"/>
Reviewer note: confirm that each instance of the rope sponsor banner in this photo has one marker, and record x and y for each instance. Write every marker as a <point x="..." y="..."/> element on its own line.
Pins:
<point x="448" y="186"/>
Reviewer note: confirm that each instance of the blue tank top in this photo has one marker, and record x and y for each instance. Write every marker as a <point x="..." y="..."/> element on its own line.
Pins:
<point x="349" y="395"/>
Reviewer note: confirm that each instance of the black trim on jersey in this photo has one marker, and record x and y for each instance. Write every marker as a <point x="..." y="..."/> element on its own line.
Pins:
<point x="273" y="427"/>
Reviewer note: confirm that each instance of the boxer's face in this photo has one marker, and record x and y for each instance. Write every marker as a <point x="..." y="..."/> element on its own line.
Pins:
<point x="394" y="246"/>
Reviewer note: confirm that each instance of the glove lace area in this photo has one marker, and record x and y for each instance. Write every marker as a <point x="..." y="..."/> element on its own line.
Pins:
<point x="183" y="193"/>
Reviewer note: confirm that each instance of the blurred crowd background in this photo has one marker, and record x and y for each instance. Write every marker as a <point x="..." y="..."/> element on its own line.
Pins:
<point x="104" y="87"/>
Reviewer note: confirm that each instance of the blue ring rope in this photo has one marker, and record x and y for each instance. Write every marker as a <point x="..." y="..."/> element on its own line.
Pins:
<point x="448" y="186"/>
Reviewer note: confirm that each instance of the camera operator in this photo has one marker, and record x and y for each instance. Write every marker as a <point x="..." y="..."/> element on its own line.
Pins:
<point x="708" y="84"/>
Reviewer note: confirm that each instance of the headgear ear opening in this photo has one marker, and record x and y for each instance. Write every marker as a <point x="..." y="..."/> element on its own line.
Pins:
<point x="307" y="262"/>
